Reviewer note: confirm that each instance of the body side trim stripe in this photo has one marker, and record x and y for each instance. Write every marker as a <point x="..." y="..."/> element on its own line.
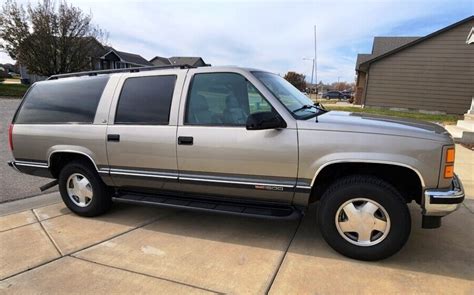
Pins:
<point x="143" y="174"/>
<point x="234" y="182"/>
<point x="32" y="164"/>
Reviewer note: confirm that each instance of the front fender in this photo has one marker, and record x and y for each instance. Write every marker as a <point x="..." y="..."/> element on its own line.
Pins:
<point x="318" y="149"/>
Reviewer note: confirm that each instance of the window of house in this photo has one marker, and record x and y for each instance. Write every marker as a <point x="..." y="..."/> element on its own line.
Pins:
<point x="145" y="100"/>
<point x="222" y="99"/>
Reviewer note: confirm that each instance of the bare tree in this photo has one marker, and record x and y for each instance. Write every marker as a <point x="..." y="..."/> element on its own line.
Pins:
<point x="342" y="86"/>
<point x="14" y="28"/>
<point x="297" y="80"/>
<point x="49" y="38"/>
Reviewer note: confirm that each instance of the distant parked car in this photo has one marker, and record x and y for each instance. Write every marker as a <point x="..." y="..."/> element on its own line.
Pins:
<point x="333" y="94"/>
<point x="347" y="94"/>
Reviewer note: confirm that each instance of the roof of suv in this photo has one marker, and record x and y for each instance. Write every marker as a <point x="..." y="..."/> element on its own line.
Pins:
<point x="142" y="69"/>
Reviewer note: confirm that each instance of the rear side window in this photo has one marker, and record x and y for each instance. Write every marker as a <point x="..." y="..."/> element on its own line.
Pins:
<point x="145" y="100"/>
<point x="72" y="100"/>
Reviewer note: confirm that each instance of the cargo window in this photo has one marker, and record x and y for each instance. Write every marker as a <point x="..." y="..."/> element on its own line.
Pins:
<point x="71" y="100"/>
<point x="222" y="99"/>
<point x="145" y="100"/>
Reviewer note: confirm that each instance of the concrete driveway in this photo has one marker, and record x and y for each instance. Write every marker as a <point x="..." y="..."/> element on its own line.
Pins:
<point x="136" y="249"/>
<point x="144" y="250"/>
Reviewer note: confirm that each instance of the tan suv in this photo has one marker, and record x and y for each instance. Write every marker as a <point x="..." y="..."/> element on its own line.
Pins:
<point x="234" y="140"/>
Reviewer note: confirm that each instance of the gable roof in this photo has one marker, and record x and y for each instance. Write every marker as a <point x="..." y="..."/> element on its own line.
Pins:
<point x="158" y="60"/>
<point x="416" y="41"/>
<point x="133" y="58"/>
<point x="183" y="60"/>
<point x="361" y="58"/>
<point x="383" y="45"/>
<point x="194" y="61"/>
<point x="129" y="57"/>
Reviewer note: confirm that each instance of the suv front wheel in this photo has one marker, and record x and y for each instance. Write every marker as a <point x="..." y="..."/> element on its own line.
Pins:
<point x="364" y="217"/>
<point x="82" y="190"/>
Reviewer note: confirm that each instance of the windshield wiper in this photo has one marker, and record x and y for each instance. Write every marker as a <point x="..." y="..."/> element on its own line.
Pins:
<point x="316" y="105"/>
<point x="304" y="107"/>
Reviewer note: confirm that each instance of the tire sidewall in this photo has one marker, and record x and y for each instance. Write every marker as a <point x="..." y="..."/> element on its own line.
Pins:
<point x="392" y="202"/>
<point x="99" y="192"/>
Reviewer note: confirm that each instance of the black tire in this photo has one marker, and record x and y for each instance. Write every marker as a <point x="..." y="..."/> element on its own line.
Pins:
<point x="100" y="202"/>
<point x="371" y="188"/>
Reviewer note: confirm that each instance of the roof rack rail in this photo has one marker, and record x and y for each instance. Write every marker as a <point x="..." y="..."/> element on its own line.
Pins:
<point x="113" y="71"/>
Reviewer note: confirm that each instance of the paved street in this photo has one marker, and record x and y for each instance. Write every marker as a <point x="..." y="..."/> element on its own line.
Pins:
<point x="13" y="184"/>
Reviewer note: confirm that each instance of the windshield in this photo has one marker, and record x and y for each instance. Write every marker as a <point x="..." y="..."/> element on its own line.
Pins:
<point x="296" y="102"/>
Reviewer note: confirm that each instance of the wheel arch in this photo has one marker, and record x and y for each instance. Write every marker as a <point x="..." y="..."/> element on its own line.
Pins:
<point x="58" y="158"/>
<point x="331" y="171"/>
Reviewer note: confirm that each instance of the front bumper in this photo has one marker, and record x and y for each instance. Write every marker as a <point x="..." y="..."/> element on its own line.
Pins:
<point x="441" y="202"/>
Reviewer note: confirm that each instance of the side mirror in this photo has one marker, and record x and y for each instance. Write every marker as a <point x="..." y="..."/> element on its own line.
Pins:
<point x="264" y="120"/>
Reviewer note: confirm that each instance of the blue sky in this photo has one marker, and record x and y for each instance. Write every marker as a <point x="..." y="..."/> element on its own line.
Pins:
<point x="271" y="35"/>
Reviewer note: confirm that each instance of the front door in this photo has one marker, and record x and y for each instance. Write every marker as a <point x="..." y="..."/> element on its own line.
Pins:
<point x="217" y="155"/>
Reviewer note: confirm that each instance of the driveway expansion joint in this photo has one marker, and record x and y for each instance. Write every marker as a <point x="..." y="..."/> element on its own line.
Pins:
<point x="284" y="255"/>
<point x="144" y="274"/>
<point x="61" y="255"/>
<point x="20" y="226"/>
<point x="48" y="235"/>
<point x="467" y="207"/>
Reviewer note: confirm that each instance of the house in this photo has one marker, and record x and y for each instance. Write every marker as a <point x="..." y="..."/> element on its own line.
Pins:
<point x="114" y="59"/>
<point x="432" y="73"/>
<point x="381" y="45"/>
<point x="101" y="58"/>
<point x="178" y="60"/>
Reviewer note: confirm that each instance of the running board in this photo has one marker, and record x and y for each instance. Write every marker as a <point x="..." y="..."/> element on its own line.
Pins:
<point x="234" y="208"/>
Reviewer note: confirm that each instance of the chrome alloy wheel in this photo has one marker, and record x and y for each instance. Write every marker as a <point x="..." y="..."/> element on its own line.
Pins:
<point x="362" y="222"/>
<point x="79" y="190"/>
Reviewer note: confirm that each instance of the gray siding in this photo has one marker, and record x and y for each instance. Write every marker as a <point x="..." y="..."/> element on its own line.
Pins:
<point x="436" y="74"/>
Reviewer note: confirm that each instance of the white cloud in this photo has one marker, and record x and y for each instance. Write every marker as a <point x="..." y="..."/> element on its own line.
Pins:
<point x="272" y="35"/>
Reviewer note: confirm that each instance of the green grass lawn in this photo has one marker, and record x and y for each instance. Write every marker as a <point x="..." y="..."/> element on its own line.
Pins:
<point x="12" y="90"/>
<point x="444" y="119"/>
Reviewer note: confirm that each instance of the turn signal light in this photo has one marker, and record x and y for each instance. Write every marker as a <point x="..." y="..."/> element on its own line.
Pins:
<point x="448" y="171"/>
<point x="450" y="155"/>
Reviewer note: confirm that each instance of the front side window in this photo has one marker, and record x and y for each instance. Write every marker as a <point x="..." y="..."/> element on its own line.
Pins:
<point x="222" y="99"/>
<point x="71" y="100"/>
<point x="145" y="100"/>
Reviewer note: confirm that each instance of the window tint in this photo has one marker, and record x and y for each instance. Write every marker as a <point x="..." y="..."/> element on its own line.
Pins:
<point x="145" y="100"/>
<point x="71" y="100"/>
<point x="223" y="99"/>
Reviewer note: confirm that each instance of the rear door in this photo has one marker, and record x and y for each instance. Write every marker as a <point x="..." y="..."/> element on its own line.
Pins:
<point x="217" y="155"/>
<point x="141" y="135"/>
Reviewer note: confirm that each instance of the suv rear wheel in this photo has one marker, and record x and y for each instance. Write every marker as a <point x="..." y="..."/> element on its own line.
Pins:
<point x="364" y="217"/>
<point x="82" y="190"/>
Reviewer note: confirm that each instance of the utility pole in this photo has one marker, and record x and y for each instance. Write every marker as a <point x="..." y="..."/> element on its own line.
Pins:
<point x="315" y="61"/>
<point x="312" y="68"/>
